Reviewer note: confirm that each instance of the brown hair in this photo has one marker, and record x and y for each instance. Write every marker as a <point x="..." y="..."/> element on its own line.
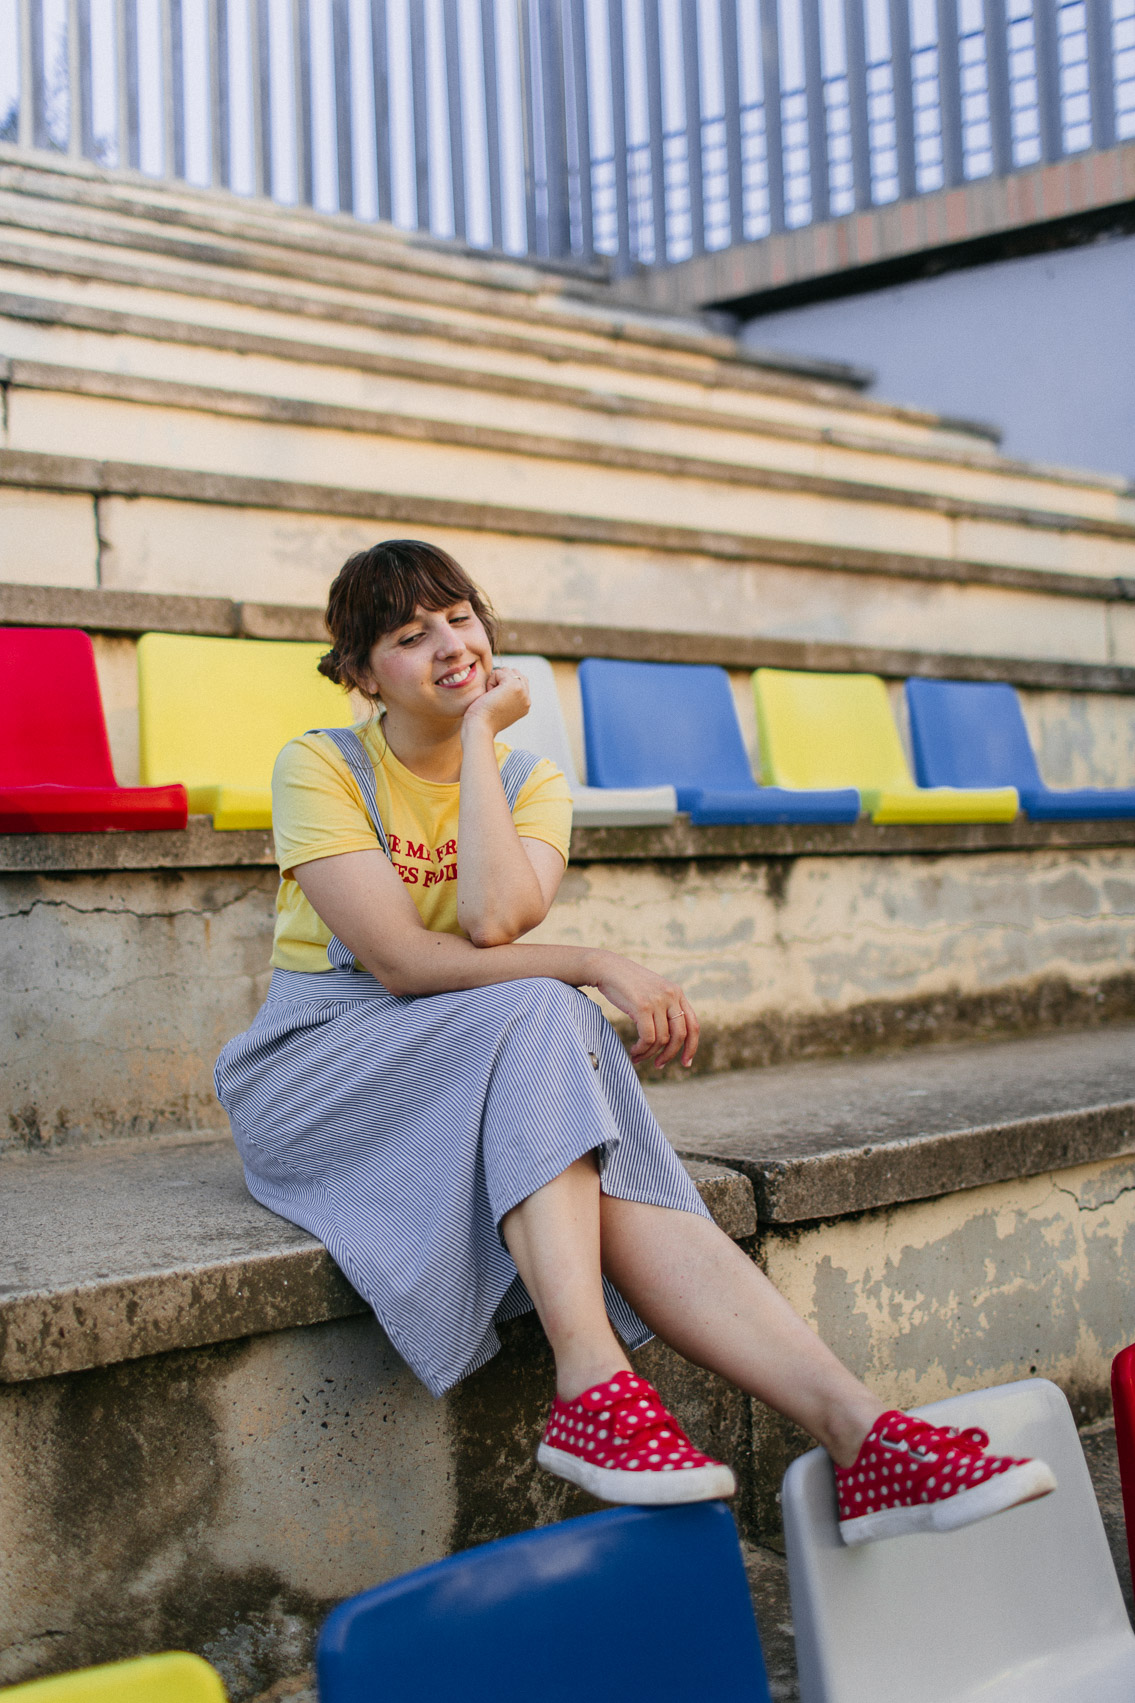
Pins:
<point x="379" y="589"/>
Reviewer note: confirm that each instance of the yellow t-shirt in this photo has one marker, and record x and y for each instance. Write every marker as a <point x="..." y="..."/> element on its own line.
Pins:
<point x="318" y="811"/>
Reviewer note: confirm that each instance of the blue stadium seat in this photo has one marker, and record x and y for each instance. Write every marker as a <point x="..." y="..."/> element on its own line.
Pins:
<point x="674" y="723"/>
<point x="613" y="1607"/>
<point x="972" y="733"/>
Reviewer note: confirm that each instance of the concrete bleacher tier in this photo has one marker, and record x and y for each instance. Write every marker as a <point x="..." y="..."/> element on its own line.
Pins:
<point x="207" y="406"/>
<point x="206" y="1434"/>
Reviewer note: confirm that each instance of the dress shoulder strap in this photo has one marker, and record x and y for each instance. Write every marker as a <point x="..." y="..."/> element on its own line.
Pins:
<point x="515" y="770"/>
<point x="353" y="752"/>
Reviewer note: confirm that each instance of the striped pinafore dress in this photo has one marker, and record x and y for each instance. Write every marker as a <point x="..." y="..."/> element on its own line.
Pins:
<point x="400" y="1131"/>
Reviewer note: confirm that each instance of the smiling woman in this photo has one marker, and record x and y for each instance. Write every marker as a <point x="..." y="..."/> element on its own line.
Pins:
<point x="459" y="1124"/>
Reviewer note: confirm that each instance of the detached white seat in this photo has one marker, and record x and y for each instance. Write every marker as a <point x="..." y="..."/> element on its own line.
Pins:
<point x="542" y="731"/>
<point x="1021" y="1608"/>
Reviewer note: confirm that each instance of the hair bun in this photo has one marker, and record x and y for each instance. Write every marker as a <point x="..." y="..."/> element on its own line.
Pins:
<point x="331" y="665"/>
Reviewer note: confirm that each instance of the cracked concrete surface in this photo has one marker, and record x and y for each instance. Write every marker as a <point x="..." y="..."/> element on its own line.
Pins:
<point x="120" y="987"/>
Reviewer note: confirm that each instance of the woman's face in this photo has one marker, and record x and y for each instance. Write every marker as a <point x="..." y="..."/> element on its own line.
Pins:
<point x="434" y="667"/>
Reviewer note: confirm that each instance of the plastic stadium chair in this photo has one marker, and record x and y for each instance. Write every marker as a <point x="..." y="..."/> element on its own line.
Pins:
<point x="972" y="733"/>
<point x="542" y="731"/>
<point x="173" y="1678"/>
<point x="650" y="723"/>
<point x="1123" y="1411"/>
<point x="215" y="714"/>
<point x="1021" y="1608"/>
<point x="614" y="1607"/>
<point x="837" y="729"/>
<point x="56" y="775"/>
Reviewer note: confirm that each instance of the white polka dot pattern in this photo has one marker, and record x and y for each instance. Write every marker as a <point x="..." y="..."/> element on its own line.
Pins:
<point x="908" y="1464"/>
<point x="622" y="1425"/>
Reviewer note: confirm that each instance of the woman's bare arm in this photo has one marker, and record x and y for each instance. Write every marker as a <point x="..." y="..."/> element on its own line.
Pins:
<point x="505" y="885"/>
<point x="361" y="899"/>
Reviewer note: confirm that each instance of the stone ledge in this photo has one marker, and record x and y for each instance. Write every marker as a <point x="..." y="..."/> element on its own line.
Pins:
<point x="201" y="846"/>
<point x="134" y="612"/>
<point x="84" y="475"/>
<point x="135" y="1248"/>
<point x="826" y="1139"/>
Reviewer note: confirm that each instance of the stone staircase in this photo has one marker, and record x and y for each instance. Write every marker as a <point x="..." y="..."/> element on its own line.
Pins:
<point x="218" y="399"/>
<point x="204" y="1439"/>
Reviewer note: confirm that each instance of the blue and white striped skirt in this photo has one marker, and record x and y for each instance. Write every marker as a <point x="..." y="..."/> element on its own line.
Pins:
<point x="401" y="1131"/>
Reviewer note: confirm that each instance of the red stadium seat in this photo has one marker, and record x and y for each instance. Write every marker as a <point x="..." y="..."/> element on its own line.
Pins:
<point x="1123" y="1408"/>
<point x="55" y="770"/>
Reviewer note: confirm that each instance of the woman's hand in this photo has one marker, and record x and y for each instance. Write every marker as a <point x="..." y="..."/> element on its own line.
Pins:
<point x="661" y="1013"/>
<point x="505" y="699"/>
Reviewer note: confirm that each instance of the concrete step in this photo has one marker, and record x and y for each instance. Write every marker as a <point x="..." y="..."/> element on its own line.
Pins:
<point x="345" y="352"/>
<point x="238" y="266"/>
<point x="75" y="410"/>
<point x="124" y="1249"/>
<point x="849" y="1135"/>
<point x="208" y="1441"/>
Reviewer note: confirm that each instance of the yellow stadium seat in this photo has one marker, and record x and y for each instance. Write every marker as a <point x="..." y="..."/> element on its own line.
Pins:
<point x="173" y="1678"/>
<point x="215" y="713"/>
<point x="832" y="730"/>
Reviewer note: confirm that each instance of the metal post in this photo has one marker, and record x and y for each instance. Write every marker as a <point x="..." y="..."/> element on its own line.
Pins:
<point x="173" y="90"/>
<point x="1046" y="48"/>
<point x="773" y="112"/>
<point x="617" y="55"/>
<point x="1101" y="71"/>
<point x="950" y="94"/>
<point x="25" y="129"/>
<point x="260" y="76"/>
<point x="528" y="125"/>
<point x="344" y="140"/>
<point x="902" y="83"/>
<point x="126" y="77"/>
<point x="37" y="79"/>
<point x="731" y="80"/>
<point x="819" y="187"/>
<point x="551" y="46"/>
<point x="581" y="126"/>
<point x="86" y="93"/>
<point x="695" y="160"/>
<point x="492" y="118"/>
<point x="456" y="116"/>
<point x="657" y="138"/>
<point x="1000" y="98"/>
<point x="74" y="83"/>
<point x="418" y="82"/>
<point x="380" y="77"/>
<point x="855" y="48"/>
<point x="301" y="85"/>
<point x="219" y="85"/>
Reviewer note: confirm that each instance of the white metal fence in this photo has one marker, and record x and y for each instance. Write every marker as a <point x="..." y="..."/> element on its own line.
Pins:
<point x="642" y="130"/>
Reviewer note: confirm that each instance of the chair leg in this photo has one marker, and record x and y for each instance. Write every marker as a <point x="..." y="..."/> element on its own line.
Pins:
<point x="1123" y="1407"/>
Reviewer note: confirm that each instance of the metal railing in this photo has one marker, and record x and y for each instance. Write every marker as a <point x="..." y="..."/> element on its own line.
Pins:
<point x="642" y="130"/>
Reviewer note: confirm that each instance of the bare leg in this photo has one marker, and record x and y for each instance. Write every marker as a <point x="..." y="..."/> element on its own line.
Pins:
<point x="703" y="1296"/>
<point x="553" y="1236"/>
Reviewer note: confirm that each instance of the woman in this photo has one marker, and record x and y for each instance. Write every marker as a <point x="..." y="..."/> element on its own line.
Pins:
<point x="461" y="1126"/>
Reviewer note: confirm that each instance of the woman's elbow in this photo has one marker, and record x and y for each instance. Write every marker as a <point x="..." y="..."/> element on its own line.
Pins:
<point x="492" y="933"/>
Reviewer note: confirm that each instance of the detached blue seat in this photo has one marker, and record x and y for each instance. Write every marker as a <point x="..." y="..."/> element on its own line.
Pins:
<point x="674" y="723"/>
<point x="613" y="1607"/>
<point x="972" y="733"/>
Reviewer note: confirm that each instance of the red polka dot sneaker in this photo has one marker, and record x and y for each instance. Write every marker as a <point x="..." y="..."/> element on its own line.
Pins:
<point x="910" y="1476"/>
<point x="618" y="1441"/>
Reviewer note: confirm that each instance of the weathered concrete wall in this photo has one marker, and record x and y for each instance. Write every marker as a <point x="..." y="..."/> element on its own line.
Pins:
<point x="119" y="989"/>
<point x="782" y="956"/>
<point x="118" y="993"/>
<point x="976" y="1288"/>
<point x="222" y="1499"/>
